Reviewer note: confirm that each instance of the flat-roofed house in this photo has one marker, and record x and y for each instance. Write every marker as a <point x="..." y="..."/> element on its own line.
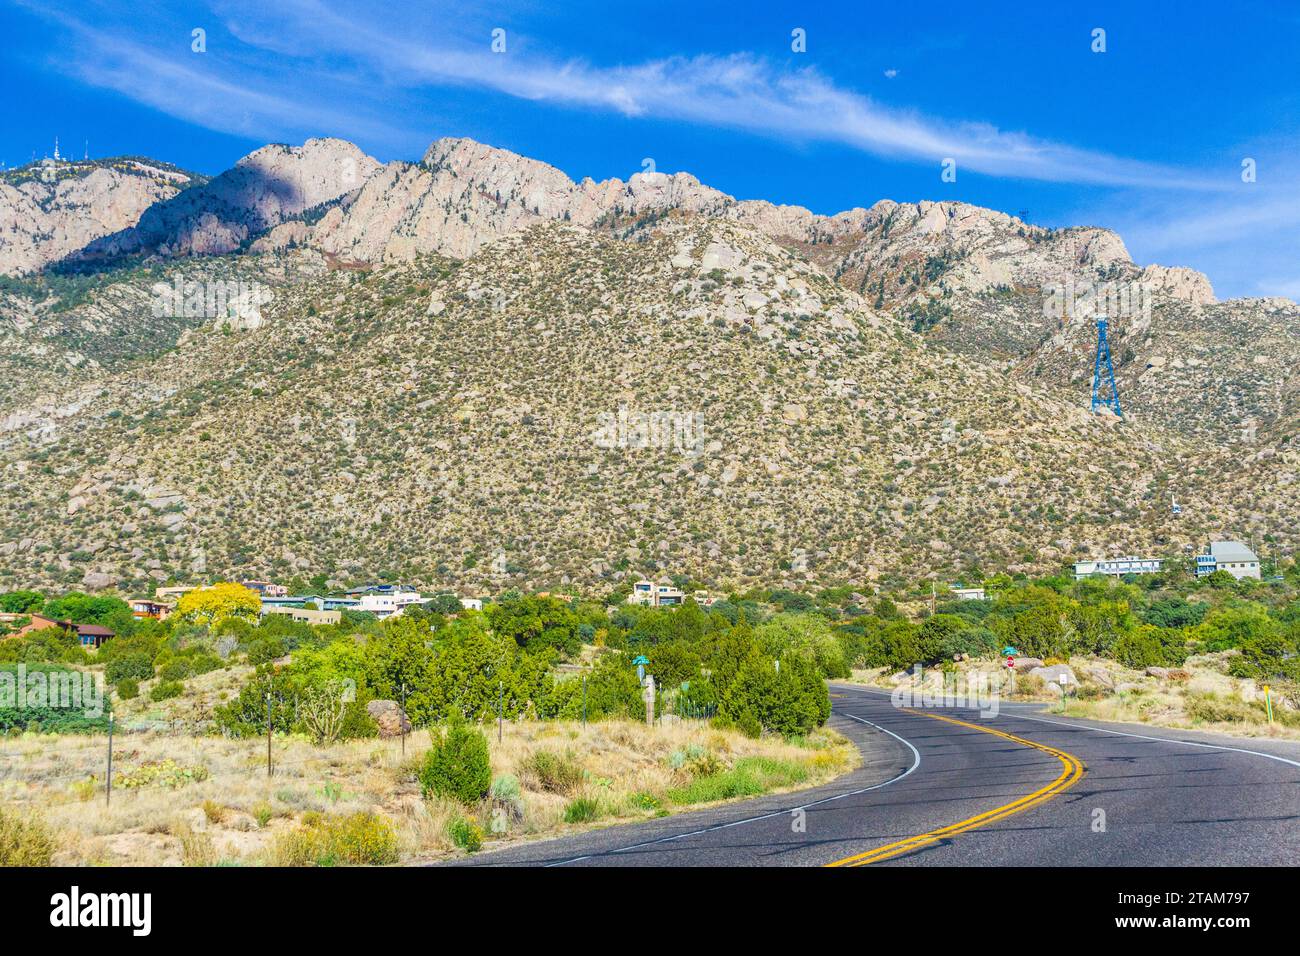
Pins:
<point x="143" y="610"/>
<point x="1117" y="567"/>
<point x="266" y="588"/>
<point x="1231" y="556"/>
<point x="307" y="615"/>
<point x="649" y="594"/>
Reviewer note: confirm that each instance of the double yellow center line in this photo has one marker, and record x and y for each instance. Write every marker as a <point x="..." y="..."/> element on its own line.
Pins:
<point x="1070" y="774"/>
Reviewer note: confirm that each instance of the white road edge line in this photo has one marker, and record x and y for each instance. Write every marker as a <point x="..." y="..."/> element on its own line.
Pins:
<point x="1118" y="733"/>
<point x="916" y="762"/>
<point x="1163" y="740"/>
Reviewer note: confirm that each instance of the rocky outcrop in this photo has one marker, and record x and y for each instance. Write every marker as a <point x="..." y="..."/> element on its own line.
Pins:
<point x="1057" y="677"/>
<point x="1186" y="285"/>
<point x="264" y="189"/>
<point x="390" y="717"/>
<point x="53" y="209"/>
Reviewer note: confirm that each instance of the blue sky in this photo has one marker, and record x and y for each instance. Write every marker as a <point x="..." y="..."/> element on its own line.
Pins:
<point x="1147" y="138"/>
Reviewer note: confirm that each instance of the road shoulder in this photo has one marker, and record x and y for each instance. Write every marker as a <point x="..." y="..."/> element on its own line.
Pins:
<point x="884" y="758"/>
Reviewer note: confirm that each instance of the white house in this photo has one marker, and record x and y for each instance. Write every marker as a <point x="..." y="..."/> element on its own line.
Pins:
<point x="387" y="603"/>
<point x="649" y="594"/>
<point x="1231" y="556"/>
<point x="1117" y="567"/>
<point x="968" y="594"/>
<point x="471" y="604"/>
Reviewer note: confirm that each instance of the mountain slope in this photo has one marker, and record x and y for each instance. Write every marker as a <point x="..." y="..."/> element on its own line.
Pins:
<point x="460" y="424"/>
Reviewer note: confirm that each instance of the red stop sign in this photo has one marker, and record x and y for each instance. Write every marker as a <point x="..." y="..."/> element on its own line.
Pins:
<point x="1011" y="662"/>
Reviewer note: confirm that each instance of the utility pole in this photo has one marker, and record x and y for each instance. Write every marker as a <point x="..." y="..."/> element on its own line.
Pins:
<point x="501" y="704"/>
<point x="401" y="720"/>
<point x="268" y="734"/>
<point x="584" y="700"/>
<point x="108" y="781"/>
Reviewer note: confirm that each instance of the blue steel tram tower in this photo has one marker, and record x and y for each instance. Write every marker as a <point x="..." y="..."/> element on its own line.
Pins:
<point x="1099" y="387"/>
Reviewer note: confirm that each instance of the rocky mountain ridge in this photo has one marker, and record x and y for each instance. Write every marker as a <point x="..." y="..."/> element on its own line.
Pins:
<point x="54" y="208"/>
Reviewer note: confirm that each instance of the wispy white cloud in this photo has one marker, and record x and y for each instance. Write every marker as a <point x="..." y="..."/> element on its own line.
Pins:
<point x="1244" y="238"/>
<point x="331" y="70"/>
<point x="209" y="89"/>
<point x="736" y="91"/>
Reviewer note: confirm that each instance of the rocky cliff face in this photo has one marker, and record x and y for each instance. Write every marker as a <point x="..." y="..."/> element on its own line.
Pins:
<point x="52" y="209"/>
<point x="262" y="190"/>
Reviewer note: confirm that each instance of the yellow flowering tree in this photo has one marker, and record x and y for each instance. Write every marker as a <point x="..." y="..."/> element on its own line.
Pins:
<point x="213" y="605"/>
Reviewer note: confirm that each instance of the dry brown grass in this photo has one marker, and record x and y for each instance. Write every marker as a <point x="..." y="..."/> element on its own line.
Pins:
<point x="190" y="712"/>
<point x="224" y="809"/>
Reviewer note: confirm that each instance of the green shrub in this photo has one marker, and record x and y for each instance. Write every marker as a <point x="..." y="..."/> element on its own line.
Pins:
<point x="581" y="810"/>
<point x="175" y="670"/>
<point x="266" y="650"/>
<point x="59" y="714"/>
<point x="262" y="813"/>
<point x="137" y="665"/>
<point x="166" y="690"/>
<point x="645" y="800"/>
<point x="466" y="834"/>
<point x="457" y="765"/>
<point x="24" y="840"/>
<point x="1139" y="649"/>
<point x="128" y="688"/>
<point x="747" y="723"/>
<point x="357" y="722"/>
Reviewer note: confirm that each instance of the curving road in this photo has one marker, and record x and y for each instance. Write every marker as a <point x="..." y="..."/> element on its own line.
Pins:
<point x="945" y="787"/>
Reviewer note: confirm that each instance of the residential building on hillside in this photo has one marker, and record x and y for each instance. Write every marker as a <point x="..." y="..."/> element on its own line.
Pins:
<point x="387" y="602"/>
<point x="1117" y="567"/>
<point x="90" y="635"/>
<point x="364" y="589"/>
<point x="648" y="594"/>
<point x="266" y="588"/>
<point x="970" y="594"/>
<point x="174" y="593"/>
<point x="471" y="604"/>
<point x="322" y="602"/>
<point x="144" y="610"/>
<point x="1231" y="556"/>
<point x="306" y="615"/>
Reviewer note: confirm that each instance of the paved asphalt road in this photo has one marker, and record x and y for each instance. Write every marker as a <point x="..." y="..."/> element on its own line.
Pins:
<point x="945" y="787"/>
